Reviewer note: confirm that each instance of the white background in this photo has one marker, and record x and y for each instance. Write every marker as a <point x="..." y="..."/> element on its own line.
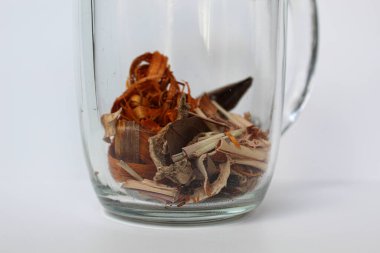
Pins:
<point x="325" y="192"/>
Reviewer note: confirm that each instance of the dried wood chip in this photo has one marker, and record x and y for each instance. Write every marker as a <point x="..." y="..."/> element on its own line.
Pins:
<point x="109" y="123"/>
<point x="181" y="132"/>
<point x="229" y="96"/>
<point x="127" y="142"/>
<point x="179" y="172"/>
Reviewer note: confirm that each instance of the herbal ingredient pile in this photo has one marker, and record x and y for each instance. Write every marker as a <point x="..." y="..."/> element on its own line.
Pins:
<point x="178" y="149"/>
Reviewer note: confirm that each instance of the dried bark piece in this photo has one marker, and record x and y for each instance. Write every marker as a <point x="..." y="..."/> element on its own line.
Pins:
<point x="157" y="150"/>
<point x="200" y="194"/>
<point x="181" y="132"/>
<point x="229" y="96"/>
<point x="109" y="123"/>
<point x="169" y="141"/>
<point x="179" y="172"/>
<point x="158" y="144"/>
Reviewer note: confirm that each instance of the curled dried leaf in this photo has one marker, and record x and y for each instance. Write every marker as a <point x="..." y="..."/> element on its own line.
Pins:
<point x="200" y="194"/>
<point x="201" y="167"/>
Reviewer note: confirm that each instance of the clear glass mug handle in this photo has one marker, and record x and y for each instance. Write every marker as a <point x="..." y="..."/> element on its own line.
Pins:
<point x="301" y="51"/>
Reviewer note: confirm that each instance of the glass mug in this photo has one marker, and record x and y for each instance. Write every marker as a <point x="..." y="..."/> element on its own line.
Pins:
<point x="221" y="163"/>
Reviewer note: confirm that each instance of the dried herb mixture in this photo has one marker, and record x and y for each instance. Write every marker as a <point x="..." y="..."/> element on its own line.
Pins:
<point x="178" y="149"/>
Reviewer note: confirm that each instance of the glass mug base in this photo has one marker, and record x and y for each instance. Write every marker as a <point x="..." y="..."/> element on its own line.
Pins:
<point x="194" y="138"/>
<point x="216" y="210"/>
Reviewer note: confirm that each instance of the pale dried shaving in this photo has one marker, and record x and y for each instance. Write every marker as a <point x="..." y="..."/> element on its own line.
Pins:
<point x="128" y="169"/>
<point x="200" y="194"/>
<point x="109" y="123"/>
<point x="242" y="152"/>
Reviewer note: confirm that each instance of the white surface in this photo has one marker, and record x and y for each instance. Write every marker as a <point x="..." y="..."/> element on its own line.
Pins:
<point x="295" y="217"/>
<point x="324" y="197"/>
